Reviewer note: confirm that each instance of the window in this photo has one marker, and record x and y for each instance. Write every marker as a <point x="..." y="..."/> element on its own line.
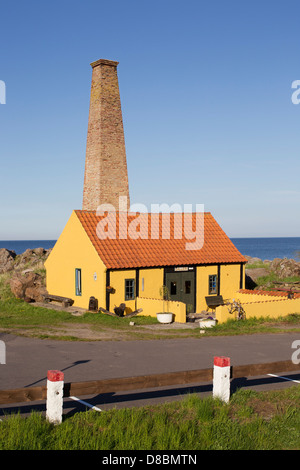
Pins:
<point x="129" y="289"/>
<point x="187" y="286"/>
<point x="78" y="286"/>
<point x="173" y="288"/>
<point x="213" y="284"/>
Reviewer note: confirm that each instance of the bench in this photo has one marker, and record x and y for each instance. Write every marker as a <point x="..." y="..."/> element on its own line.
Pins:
<point x="214" y="301"/>
<point x="65" y="301"/>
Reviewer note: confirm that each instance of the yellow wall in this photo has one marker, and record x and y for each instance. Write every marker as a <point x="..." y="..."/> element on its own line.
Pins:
<point x="74" y="250"/>
<point x="202" y="276"/>
<point x="266" y="307"/>
<point x="153" y="281"/>
<point x="117" y="281"/>
<point x="229" y="282"/>
<point x="153" y="306"/>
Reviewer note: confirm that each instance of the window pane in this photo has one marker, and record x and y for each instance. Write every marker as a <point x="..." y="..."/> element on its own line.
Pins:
<point x="78" y="281"/>
<point x="187" y="287"/>
<point x="129" y="289"/>
<point x="212" y="284"/>
<point x="173" y="288"/>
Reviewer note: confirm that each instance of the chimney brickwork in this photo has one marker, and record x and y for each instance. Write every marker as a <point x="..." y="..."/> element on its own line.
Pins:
<point x="106" y="176"/>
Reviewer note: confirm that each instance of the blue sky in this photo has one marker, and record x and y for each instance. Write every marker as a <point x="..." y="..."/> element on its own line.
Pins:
<point x="206" y="100"/>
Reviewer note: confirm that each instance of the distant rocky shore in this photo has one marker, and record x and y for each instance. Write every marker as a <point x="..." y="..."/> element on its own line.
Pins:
<point x="9" y="260"/>
<point x="25" y="272"/>
<point x="280" y="268"/>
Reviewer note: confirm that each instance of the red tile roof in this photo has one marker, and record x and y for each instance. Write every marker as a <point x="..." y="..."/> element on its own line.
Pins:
<point x="271" y="293"/>
<point x="156" y="248"/>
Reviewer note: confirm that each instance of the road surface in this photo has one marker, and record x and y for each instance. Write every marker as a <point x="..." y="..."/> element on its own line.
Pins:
<point x="28" y="360"/>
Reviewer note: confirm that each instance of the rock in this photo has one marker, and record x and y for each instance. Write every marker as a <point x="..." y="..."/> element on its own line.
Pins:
<point x="253" y="260"/>
<point x="31" y="257"/>
<point x="285" y="267"/>
<point x="29" y="286"/>
<point x="7" y="258"/>
<point x="39" y="251"/>
<point x="257" y="272"/>
<point x="36" y="293"/>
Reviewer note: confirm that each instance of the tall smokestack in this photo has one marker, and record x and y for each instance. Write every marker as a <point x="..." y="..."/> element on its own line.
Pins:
<point x="106" y="176"/>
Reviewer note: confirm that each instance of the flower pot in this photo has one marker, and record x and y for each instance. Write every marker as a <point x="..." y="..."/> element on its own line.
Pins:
<point x="164" y="317"/>
<point x="207" y="323"/>
<point x="110" y="290"/>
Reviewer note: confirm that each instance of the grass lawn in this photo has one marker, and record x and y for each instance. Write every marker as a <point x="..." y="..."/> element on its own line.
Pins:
<point x="21" y="318"/>
<point x="251" y="421"/>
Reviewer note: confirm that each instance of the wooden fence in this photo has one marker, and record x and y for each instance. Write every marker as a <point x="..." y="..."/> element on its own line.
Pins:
<point x="96" y="387"/>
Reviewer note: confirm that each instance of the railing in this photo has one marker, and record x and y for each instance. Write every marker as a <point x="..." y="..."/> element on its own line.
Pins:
<point x="22" y="395"/>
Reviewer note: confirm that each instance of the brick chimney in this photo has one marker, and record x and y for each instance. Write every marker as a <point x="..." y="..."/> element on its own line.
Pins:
<point x="106" y="176"/>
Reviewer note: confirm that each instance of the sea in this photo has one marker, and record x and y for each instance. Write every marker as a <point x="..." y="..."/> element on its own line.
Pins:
<point x="263" y="248"/>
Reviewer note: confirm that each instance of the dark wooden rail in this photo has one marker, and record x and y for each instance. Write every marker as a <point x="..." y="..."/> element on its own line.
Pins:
<point x="95" y="387"/>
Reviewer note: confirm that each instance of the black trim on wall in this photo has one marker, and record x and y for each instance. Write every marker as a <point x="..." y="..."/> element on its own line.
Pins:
<point x="219" y="278"/>
<point x="171" y="268"/>
<point x="137" y="282"/>
<point x="242" y="275"/>
<point x="107" y="285"/>
<point x="195" y="289"/>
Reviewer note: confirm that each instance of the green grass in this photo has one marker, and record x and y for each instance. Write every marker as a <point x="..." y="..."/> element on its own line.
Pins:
<point x="19" y="317"/>
<point x="271" y="279"/>
<point x="251" y="421"/>
<point x="257" y="265"/>
<point x="17" y="312"/>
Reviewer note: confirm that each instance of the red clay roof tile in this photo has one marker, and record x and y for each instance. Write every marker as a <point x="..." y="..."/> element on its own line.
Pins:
<point x="153" y="250"/>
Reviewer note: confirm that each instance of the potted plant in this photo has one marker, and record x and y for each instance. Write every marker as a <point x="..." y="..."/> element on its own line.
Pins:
<point x="164" y="316"/>
<point x="110" y="290"/>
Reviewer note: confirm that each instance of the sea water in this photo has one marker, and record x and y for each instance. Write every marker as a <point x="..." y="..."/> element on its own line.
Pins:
<point x="263" y="248"/>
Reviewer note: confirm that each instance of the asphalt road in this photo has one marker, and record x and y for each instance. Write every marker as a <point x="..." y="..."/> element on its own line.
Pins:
<point x="28" y="360"/>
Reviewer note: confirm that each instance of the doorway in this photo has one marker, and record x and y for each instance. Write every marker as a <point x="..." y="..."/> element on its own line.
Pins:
<point x="181" y="286"/>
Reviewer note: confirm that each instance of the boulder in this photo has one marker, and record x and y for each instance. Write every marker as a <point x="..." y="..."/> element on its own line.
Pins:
<point x="31" y="257"/>
<point x="285" y="267"/>
<point x="7" y="258"/>
<point x="28" y="286"/>
<point x="253" y="260"/>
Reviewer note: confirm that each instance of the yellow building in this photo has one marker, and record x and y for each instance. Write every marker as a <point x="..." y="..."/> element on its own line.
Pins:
<point x="120" y="257"/>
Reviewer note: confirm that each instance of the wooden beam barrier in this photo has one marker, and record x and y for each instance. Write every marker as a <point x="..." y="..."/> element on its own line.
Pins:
<point x="94" y="387"/>
<point x="253" y="370"/>
<point x="137" y="383"/>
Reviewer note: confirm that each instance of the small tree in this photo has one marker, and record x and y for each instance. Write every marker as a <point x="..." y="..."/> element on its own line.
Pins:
<point x="165" y="295"/>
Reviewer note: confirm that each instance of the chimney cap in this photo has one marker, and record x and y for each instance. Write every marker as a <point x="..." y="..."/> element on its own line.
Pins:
<point x="104" y="62"/>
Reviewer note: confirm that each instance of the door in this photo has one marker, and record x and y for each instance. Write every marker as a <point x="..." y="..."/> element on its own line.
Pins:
<point x="181" y="286"/>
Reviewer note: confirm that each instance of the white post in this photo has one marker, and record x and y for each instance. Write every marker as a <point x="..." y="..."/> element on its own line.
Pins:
<point x="54" y="405"/>
<point x="2" y="353"/>
<point x="221" y="378"/>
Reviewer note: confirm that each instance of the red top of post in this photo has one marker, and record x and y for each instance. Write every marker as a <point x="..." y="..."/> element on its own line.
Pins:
<point x="222" y="361"/>
<point x="55" y="375"/>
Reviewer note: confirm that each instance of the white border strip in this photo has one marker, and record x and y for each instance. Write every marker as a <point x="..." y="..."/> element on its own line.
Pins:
<point x="284" y="378"/>
<point x="86" y="404"/>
